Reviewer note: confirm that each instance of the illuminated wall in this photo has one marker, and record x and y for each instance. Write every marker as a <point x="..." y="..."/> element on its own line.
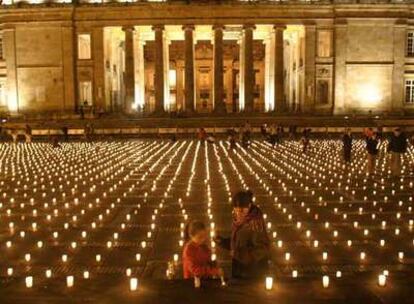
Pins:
<point x="367" y="57"/>
<point x="36" y="62"/>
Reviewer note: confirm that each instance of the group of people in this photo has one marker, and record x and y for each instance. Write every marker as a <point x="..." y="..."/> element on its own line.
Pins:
<point x="273" y="133"/>
<point x="249" y="244"/>
<point x="244" y="133"/>
<point x="397" y="146"/>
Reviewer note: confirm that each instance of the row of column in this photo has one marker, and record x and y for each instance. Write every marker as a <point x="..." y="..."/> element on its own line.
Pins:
<point x="246" y="68"/>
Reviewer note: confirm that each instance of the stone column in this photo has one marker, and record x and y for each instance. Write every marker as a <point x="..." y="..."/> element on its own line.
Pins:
<point x="340" y="37"/>
<point x="400" y="32"/>
<point x="9" y="47"/>
<point x="189" y="68"/>
<point x="129" y="79"/>
<point x="228" y="72"/>
<point x="218" y="85"/>
<point x="98" y="68"/>
<point x="279" y="71"/>
<point x="139" y="72"/>
<point x="180" y="85"/>
<point x="241" y="105"/>
<point x="249" y="77"/>
<point x="159" y="68"/>
<point x="310" y="68"/>
<point x="269" y="73"/>
<point x="166" y="57"/>
<point x="68" y="66"/>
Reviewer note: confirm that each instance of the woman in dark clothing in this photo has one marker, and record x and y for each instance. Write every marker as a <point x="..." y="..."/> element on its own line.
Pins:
<point x="305" y="140"/>
<point x="372" y="149"/>
<point x="347" y="145"/>
<point x="397" y="146"/>
<point x="249" y="243"/>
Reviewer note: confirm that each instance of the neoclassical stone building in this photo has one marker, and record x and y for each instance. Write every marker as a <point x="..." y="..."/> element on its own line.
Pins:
<point x="292" y="56"/>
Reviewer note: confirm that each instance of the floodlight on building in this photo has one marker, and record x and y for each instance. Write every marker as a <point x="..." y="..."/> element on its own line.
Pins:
<point x="369" y="95"/>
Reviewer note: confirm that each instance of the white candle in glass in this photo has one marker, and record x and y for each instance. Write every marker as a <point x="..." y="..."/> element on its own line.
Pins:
<point x="70" y="281"/>
<point x="269" y="283"/>
<point x="133" y="284"/>
<point x="325" y="281"/>
<point x="29" y="282"/>
<point x="382" y="278"/>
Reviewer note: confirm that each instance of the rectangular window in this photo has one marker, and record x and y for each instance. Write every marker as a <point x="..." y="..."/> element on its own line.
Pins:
<point x="324" y="43"/>
<point x="85" y="93"/>
<point x="322" y="92"/>
<point x="409" y="91"/>
<point x="84" y="46"/>
<point x="410" y="44"/>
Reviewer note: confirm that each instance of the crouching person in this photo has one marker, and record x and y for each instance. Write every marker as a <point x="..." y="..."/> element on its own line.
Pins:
<point x="249" y="243"/>
<point x="197" y="254"/>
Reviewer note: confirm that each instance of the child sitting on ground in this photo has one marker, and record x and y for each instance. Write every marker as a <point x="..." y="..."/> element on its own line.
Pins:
<point x="196" y="254"/>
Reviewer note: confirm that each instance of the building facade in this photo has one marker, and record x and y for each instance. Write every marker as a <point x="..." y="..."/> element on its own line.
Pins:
<point x="317" y="57"/>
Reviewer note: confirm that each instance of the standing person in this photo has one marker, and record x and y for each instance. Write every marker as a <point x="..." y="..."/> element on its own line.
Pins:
<point x="273" y="135"/>
<point x="372" y="150"/>
<point x="88" y="131"/>
<point x="232" y="139"/>
<point x="397" y="146"/>
<point x="249" y="243"/>
<point x="14" y="134"/>
<point x="279" y="134"/>
<point x="28" y="134"/>
<point x="196" y="253"/>
<point x="305" y="140"/>
<point x="244" y="136"/>
<point x="347" y="145"/>
<point x="82" y="112"/>
<point x="263" y="131"/>
<point x="65" y="132"/>
<point x="202" y="135"/>
<point x="55" y="142"/>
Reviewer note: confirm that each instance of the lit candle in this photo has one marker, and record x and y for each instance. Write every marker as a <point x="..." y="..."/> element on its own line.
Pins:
<point x="339" y="274"/>
<point x="133" y="284"/>
<point x="325" y="281"/>
<point x="269" y="283"/>
<point x="362" y="255"/>
<point x="382" y="278"/>
<point x="69" y="281"/>
<point x="29" y="282"/>
<point x="287" y="256"/>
